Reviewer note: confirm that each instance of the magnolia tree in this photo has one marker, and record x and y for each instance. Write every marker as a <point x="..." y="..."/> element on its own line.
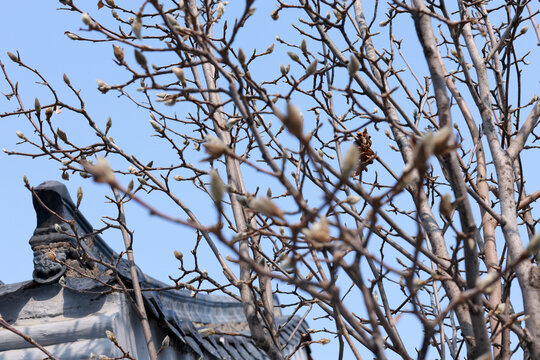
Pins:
<point x="392" y="141"/>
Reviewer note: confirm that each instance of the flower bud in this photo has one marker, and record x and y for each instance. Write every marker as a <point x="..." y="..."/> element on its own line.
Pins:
<point x="294" y="120"/>
<point x="350" y="162"/>
<point x="86" y="19"/>
<point x="319" y="232"/>
<point x="48" y="112"/>
<point x="178" y="255"/>
<point x="353" y="66"/>
<point x="265" y="206"/>
<point x="446" y="207"/>
<point x="79" y="196"/>
<point x="312" y="68"/>
<point x="118" y="53"/>
<point x="441" y="140"/>
<point x="294" y="57"/>
<point x="136" y="26"/>
<point x="141" y="59"/>
<point x="165" y="343"/>
<point x="72" y="36"/>
<point x="241" y="56"/>
<point x="111" y="336"/>
<point x="215" y="147"/>
<point x="130" y="186"/>
<point x="13" y="57"/>
<point x="180" y="75"/>
<point x="66" y="79"/>
<point x="62" y="135"/>
<point x="216" y="185"/>
<point x="156" y="126"/>
<point x="303" y="46"/>
<point x="37" y="106"/>
<point x="351" y="199"/>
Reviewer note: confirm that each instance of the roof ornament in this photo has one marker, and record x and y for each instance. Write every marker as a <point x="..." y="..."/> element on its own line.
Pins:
<point x="54" y="242"/>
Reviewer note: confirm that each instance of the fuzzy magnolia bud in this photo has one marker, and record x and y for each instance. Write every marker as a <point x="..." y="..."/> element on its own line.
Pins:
<point x="37" y="106"/>
<point x="48" y="112"/>
<point x="102" y="86"/>
<point x="66" y="79"/>
<point x="13" y="57"/>
<point x="72" y="36"/>
<point x="101" y="171"/>
<point x="86" y="19"/>
<point x="136" y="27"/>
<point x="220" y="10"/>
<point x="287" y="262"/>
<point x="62" y="135"/>
<point x="303" y="46"/>
<point x="216" y="185"/>
<point x="294" y="57"/>
<point x="423" y="151"/>
<point x="312" y="68"/>
<point x="350" y="162"/>
<point x="446" y="208"/>
<point x="441" y="140"/>
<point x="351" y="199"/>
<point x="118" y="53"/>
<point x="79" y="196"/>
<point x="178" y="255"/>
<point x="141" y="59"/>
<point x="284" y="69"/>
<point x="353" y="66"/>
<point x="108" y="124"/>
<point x="180" y="75"/>
<point x="164" y="344"/>
<point x="130" y="186"/>
<point x="241" y="56"/>
<point x="294" y="120"/>
<point x="111" y="336"/>
<point x="156" y="126"/>
<point x="215" y="147"/>
<point x="319" y="232"/>
<point x="265" y="206"/>
<point x="325" y="341"/>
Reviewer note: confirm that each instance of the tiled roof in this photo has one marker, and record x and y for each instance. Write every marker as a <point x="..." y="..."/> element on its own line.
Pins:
<point x="205" y="324"/>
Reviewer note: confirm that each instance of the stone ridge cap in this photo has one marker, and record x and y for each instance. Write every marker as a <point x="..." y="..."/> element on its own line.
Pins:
<point x="6" y="289"/>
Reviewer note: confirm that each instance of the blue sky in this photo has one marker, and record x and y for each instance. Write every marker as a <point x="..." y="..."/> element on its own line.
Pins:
<point x="36" y="29"/>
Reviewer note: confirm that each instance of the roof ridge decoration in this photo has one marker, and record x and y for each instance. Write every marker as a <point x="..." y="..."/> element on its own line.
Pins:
<point x="54" y="238"/>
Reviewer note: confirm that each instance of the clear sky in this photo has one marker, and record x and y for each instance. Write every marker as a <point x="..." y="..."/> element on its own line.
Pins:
<point x="36" y="29"/>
